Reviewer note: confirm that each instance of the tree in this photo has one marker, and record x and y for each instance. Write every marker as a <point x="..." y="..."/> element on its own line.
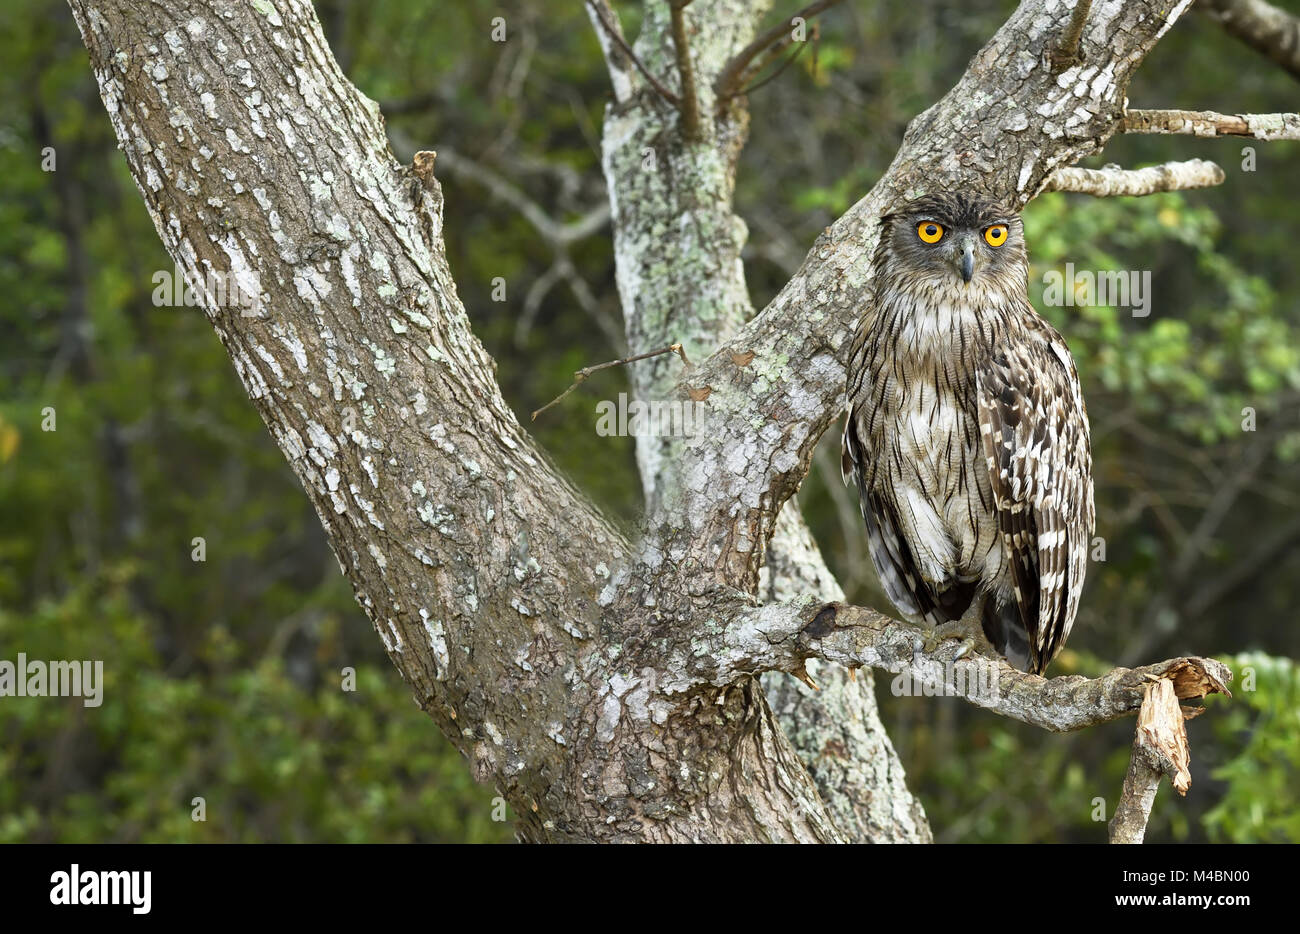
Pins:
<point x="606" y="681"/>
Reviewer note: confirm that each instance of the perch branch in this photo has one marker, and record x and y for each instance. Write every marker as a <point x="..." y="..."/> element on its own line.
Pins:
<point x="782" y="636"/>
<point x="1112" y="181"/>
<point x="1266" y="127"/>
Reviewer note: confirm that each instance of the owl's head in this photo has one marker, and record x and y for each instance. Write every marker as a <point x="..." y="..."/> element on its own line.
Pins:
<point x="954" y="240"/>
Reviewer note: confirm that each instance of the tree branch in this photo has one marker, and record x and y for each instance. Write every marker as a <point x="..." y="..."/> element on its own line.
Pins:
<point x="1112" y="181"/>
<point x="603" y="15"/>
<point x="1069" y="51"/>
<point x="782" y="636"/>
<point x="1266" y="127"/>
<point x="581" y="376"/>
<point x="690" y="102"/>
<point x="1159" y="749"/>
<point x="1273" y="32"/>
<point x="734" y="75"/>
<point x="455" y="530"/>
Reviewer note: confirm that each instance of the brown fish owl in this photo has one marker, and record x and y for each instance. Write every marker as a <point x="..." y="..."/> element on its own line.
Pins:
<point x="967" y="436"/>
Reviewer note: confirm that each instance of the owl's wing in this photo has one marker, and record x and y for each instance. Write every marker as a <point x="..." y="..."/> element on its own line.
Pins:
<point x="1034" y="431"/>
<point x="890" y="553"/>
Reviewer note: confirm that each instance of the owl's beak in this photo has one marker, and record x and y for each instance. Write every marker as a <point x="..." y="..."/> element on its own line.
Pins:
<point x="967" y="258"/>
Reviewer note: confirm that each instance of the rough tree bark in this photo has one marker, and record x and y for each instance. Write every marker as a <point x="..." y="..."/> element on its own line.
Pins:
<point x="607" y="686"/>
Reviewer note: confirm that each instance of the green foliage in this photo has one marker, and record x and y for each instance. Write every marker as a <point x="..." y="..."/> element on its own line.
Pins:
<point x="1261" y="803"/>
<point x="273" y="758"/>
<point x="1216" y="340"/>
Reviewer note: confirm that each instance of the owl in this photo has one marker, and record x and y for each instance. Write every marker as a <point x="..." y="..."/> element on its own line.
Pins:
<point x="967" y="436"/>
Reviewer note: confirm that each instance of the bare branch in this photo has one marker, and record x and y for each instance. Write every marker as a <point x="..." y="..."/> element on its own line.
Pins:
<point x="1266" y="127"/>
<point x="690" y="102"/>
<point x="780" y="70"/>
<point x="736" y="73"/>
<point x="603" y="15"/>
<point x="582" y="375"/>
<point x="781" y="636"/>
<point x="1112" y="181"/>
<point x="1159" y="749"/>
<point x="1272" y="32"/>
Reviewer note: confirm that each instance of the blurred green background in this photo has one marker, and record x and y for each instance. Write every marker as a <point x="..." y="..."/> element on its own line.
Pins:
<point x="223" y="676"/>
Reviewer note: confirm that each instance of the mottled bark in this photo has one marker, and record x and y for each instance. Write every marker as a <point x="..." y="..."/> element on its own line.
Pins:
<point x="608" y="687"/>
<point x="474" y="560"/>
<point x="785" y="636"/>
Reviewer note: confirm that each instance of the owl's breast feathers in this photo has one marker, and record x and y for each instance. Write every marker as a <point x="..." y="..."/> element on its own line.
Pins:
<point x="968" y="441"/>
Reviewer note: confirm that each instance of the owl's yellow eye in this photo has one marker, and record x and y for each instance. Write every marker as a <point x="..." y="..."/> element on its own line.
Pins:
<point x="929" y="231"/>
<point x="996" y="235"/>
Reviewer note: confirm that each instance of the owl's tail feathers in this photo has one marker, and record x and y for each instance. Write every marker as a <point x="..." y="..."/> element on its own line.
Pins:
<point x="1005" y="633"/>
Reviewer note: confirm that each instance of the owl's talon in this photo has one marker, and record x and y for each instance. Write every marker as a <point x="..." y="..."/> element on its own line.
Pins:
<point x="947" y="631"/>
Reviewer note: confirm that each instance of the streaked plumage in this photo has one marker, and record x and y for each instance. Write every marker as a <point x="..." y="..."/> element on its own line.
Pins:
<point x="967" y="436"/>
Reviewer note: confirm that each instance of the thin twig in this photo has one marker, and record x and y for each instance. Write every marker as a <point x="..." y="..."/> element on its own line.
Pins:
<point x="617" y="38"/>
<point x="690" y="103"/>
<point x="732" y="77"/>
<point x="582" y="375"/>
<point x="789" y="60"/>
